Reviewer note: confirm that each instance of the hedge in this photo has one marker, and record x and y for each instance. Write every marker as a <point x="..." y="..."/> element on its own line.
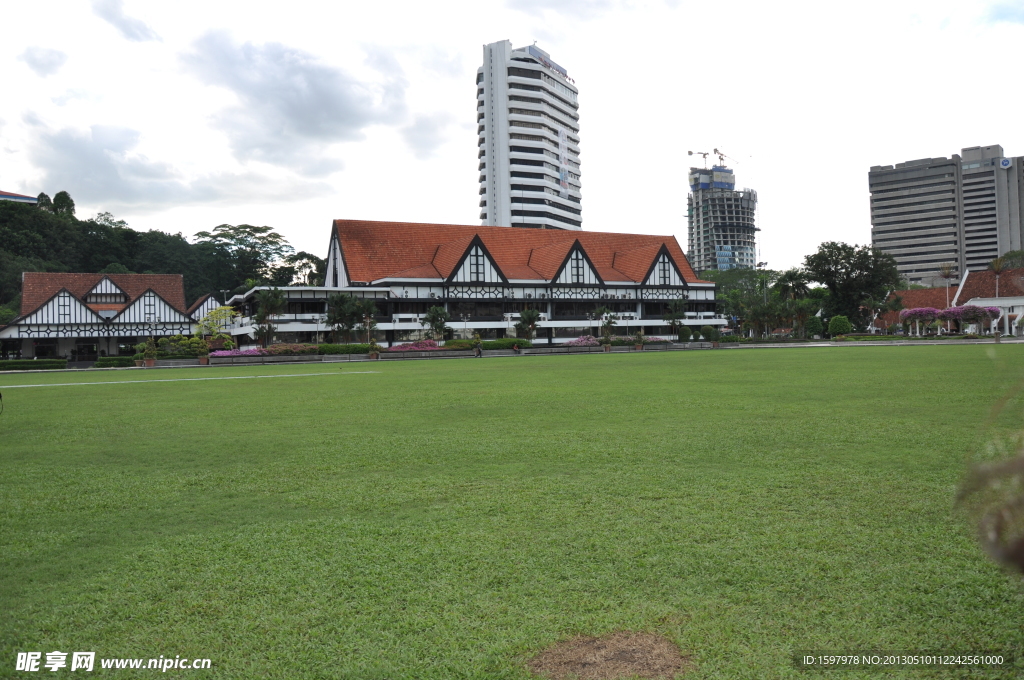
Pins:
<point x="32" y="364"/>
<point x="344" y="349"/>
<point x="114" y="362"/>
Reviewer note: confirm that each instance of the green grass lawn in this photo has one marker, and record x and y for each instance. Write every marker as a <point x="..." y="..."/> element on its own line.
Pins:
<point x="449" y="519"/>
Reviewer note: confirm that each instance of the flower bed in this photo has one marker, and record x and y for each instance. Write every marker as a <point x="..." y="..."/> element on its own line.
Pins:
<point x="583" y="341"/>
<point x="255" y="352"/>
<point x="418" y="346"/>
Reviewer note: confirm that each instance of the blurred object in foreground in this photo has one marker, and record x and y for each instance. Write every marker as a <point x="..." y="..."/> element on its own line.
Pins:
<point x="994" y="495"/>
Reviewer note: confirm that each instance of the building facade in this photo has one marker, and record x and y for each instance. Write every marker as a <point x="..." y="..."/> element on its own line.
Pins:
<point x="528" y="129"/>
<point x="486" y="276"/>
<point x="965" y="210"/>
<point x="86" y="316"/>
<point x="721" y="221"/>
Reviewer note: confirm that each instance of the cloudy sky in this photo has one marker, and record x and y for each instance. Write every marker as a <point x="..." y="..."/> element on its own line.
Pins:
<point x="182" y="116"/>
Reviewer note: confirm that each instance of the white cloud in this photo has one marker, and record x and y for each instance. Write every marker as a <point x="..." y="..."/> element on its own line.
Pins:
<point x="42" y="60"/>
<point x="291" y="106"/>
<point x="100" y="166"/>
<point x="112" y="11"/>
<point x="427" y="133"/>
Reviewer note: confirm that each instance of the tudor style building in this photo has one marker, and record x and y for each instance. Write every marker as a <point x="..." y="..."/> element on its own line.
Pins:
<point x="485" y="276"/>
<point x="84" y="316"/>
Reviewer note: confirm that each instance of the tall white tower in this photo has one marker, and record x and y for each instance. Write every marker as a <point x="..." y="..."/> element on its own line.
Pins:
<point x="529" y="140"/>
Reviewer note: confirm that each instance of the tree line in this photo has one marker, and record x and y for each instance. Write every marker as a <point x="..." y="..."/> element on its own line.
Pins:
<point x="48" y="237"/>
<point x="855" y="282"/>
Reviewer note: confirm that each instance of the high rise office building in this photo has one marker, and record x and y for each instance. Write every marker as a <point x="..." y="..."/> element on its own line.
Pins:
<point x="529" y="140"/>
<point x="722" y="229"/>
<point x="965" y="210"/>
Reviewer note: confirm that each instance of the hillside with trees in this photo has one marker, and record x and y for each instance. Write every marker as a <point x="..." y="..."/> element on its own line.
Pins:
<point x="50" y="238"/>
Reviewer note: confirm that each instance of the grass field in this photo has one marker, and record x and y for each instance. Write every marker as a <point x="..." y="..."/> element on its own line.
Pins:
<point x="449" y="519"/>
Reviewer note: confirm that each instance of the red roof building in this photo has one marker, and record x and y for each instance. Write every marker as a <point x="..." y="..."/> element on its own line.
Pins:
<point x="486" y="276"/>
<point x="18" y="198"/>
<point x="90" y="315"/>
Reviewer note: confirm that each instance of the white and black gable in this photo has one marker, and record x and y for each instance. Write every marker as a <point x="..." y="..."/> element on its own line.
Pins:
<point x="577" y="269"/>
<point x="477" y="266"/>
<point x="664" y="271"/>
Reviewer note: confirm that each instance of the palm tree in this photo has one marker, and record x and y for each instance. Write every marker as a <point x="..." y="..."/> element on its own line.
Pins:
<point x="366" y="309"/>
<point x="792" y="285"/>
<point x="528" y="320"/>
<point x="436" y="319"/>
<point x="998" y="266"/>
<point x="946" y="272"/>
<point x="271" y="303"/>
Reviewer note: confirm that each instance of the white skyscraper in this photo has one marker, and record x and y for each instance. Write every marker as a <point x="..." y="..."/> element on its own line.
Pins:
<point x="529" y="140"/>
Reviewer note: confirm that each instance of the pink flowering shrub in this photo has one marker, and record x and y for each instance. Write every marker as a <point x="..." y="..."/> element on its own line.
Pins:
<point x="285" y="349"/>
<point x="255" y="352"/>
<point x="418" y="346"/>
<point x="583" y="341"/>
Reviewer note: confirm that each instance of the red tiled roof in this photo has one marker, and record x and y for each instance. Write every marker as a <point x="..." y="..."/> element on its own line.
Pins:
<point x="918" y="297"/>
<point x="13" y="195"/>
<point x="378" y="250"/>
<point x="983" y="285"/>
<point x="195" y="305"/>
<point x="38" y="287"/>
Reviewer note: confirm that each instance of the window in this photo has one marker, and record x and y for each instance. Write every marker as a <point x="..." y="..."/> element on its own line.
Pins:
<point x="476" y="265"/>
<point x="576" y="267"/>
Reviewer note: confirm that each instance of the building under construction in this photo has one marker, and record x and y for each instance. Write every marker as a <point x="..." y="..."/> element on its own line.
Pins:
<point x="722" y="231"/>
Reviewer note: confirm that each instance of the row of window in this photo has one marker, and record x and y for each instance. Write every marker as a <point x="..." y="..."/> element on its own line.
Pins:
<point x="543" y="114"/>
<point x="895" y="199"/>
<point x="541" y="102"/>
<point x="546" y="190"/>
<point x="520" y="86"/>
<point x="544" y="201"/>
<point x="547" y="215"/>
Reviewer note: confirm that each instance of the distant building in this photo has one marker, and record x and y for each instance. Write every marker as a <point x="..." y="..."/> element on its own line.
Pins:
<point x="18" y="198"/>
<point x="721" y="220"/>
<point x="529" y="137"/>
<point x="85" y="316"/>
<point x="965" y="210"/>
<point x="486" y="276"/>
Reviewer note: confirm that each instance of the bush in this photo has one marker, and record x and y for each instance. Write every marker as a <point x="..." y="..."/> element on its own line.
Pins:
<point x="344" y="349"/>
<point x="32" y="364"/>
<point x="731" y="338"/>
<point x="709" y="333"/>
<point x="138" y="357"/>
<point x="814" y="326"/>
<point x="684" y="334"/>
<point x="839" y="325"/>
<point x="114" y="362"/>
<point x="507" y="343"/>
<point x="459" y="344"/>
<point x="287" y="350"/>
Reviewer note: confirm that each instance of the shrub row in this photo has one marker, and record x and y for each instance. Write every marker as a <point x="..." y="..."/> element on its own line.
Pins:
<point x="504" y="343"/>
<point x="32" y="364"/>
<point x="363" y="348"/>
<point x="114" y="362"/>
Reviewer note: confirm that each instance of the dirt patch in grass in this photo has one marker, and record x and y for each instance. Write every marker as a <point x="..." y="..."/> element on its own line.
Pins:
<point x="618" y="655"/>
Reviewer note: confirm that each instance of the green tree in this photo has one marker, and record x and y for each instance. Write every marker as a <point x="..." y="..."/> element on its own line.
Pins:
<point x="852" y="275"/>
<point x="813" y="326"/>
<point x="300" y="269"/>
<point x="114" y="268"/>
<point x="63" y="204"/>
<point x="43" y="202"/>
<point x="839" y="325"/>
<point x="675" y="315"/>
<point x="270" y="304"/>
<point x="529" y="320"/>
<point x="216" y="321"/>
<point x="608" y="322"/>
<point x="342" y="314"/>
<point x="436" y="320"/>
<point x="246" y="251"/>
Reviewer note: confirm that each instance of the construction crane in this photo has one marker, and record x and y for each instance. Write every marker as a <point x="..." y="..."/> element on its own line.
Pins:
<point x="705" y="154"/>
<point x="722" y="157"/>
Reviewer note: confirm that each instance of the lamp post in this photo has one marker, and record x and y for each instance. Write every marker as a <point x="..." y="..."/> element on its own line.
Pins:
<point x="465" y="323"/>
<point x="508" y="323"/>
